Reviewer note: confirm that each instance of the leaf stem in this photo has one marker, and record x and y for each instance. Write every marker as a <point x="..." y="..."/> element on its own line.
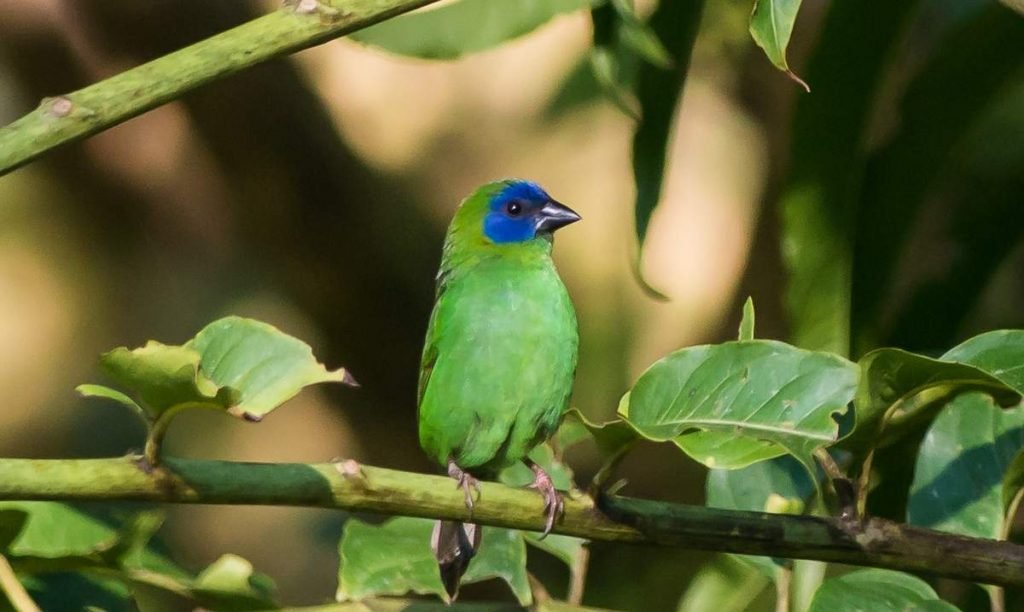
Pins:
<point x="783" y="584"/>
<point x="578" y="575"/>
<point x="158" y="429"/>
<point x="873" y="542"/>
<point x="17" y="596"/>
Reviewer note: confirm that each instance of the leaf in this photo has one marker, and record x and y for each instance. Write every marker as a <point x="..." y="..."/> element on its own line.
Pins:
<point x="658" y="90"/>
<point x="771" y="24"/>
<point x="164" y="377"/>
<point x="958" y="479"/>
<point x="639" y="37"/>
<point x="780" y="486"/>
<point x="502" y="555"/>
<point x="230" y="584"/>
<point x="519" y="475"/>
<point x="818" y="200"/>
<point x="1000" y="353"/>
<point x="878" y="590"/>
<point x="564" y="548"/>
<point x="266" y="366"/>
<point x="747" y="322"/>
<point x="613" y="440"/>
<point x="76" y="591"/>
<point x="394" y="558"/>
<point x="906" y="384"/>
<point x="56" y="530"/>
<point x="606" y="67"/>
<point x="731" y="405"/>
<point x="724" y="584"/>
<point x="111" y="394"/>
<point x="462" y="27"/>
<point x="12" y="521"/>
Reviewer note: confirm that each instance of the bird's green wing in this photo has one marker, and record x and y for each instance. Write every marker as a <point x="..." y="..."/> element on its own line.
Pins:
<point x="498" y="362"/>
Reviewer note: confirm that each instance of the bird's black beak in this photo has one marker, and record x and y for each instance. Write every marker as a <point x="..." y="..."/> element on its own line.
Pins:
<point x="555" y="215"/>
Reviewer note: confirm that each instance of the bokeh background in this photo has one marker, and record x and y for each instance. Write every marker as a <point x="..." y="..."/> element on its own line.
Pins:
<point x="313" y="192"/>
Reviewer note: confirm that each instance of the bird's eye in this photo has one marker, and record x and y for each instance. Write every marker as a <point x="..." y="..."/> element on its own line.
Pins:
<point x="514" y="208"/>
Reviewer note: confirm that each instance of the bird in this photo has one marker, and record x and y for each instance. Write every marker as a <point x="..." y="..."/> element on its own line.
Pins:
<point x="500" y="353"/>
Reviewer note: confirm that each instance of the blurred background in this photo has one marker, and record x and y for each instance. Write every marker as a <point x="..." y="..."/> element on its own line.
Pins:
<point x="313" y="193"/>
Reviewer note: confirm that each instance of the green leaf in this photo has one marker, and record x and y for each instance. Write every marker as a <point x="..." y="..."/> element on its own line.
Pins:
<point x="731" y="405"/>
<point x="658" y="90"/>
<point x="1000" y="353"/>
<point x="394" y="558"/>
<point x="781" y="485"/>
<point x="613" y="440"/>
<point x="747" y="322"/>
<point x="55" y="530"/>
<point x="518" y="475"/>
<point x="637" y="36"/>
<point x="879" y="591"/>
<point x="564" y="548"/>
<point x="771" y="24"/>
<point x="502" y="555"/>
<point x="266" y="366"/>
<point x="12" y="521"/>
<point x="230" y="584"/>
<point x="898" y="384"/>
<point x="959" y="476"/>
<point x="462" y="27"/>
<point x="111" y="394"/>
<point x="606" y="68"/>
<point x="725" y="584"/>
<point x="164" y="377"/>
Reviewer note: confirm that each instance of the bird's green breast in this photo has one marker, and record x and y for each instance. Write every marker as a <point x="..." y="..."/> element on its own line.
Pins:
<point x="499" y="359"/>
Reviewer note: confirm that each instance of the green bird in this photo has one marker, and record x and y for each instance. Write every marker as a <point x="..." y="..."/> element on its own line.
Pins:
<point x="500" y="353"/>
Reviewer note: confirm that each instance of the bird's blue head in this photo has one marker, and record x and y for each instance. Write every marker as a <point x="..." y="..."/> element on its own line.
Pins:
<point x="521" y="211"/>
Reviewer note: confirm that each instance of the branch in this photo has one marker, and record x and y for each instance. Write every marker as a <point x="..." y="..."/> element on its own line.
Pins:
<point x="298" y="25"/>
<point x="876" y="542"/>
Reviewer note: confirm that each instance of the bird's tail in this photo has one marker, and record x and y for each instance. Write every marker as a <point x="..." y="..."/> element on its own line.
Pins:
<point x="454" y="545"/>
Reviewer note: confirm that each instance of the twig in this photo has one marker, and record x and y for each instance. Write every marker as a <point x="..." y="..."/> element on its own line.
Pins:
<point x="578" y="575"/>
<point x="783" y="585"/>
<point x="16" y="594"/>
<point x="296" y="26"/>
<point x="874" y="542"/>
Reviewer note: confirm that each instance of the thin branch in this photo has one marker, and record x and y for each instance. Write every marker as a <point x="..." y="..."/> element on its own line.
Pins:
<point x="875" y="542"/>
<point x="578" y="575"/>
<point x="298" y="25"/>
<point x="783" y="585"/>
<point x="17" y="596"/>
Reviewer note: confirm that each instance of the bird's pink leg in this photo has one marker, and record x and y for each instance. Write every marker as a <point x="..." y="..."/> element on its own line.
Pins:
<point x="554" y="505"/>
<point x="465" y="481"/>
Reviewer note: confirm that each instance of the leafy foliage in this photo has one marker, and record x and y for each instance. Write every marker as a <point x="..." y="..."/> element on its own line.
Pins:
<point x="733" y="404"/>
<point x="467" y="26"/>
<point x="771" y="24"/>
<point x="239" y="366"/>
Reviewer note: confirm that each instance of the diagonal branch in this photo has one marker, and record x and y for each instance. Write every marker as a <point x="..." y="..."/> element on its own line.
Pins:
<point x="876" y="543"/>
<point x="298" y="25"/>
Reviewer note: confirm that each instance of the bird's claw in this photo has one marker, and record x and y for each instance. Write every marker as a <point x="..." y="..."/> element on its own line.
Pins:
<point x="465" y="481"/>
<point x="554" y="504"/>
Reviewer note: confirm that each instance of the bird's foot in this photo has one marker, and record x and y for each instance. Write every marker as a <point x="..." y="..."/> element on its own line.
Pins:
<point x="466" y="482"/>
<point x="554" y="505"/>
